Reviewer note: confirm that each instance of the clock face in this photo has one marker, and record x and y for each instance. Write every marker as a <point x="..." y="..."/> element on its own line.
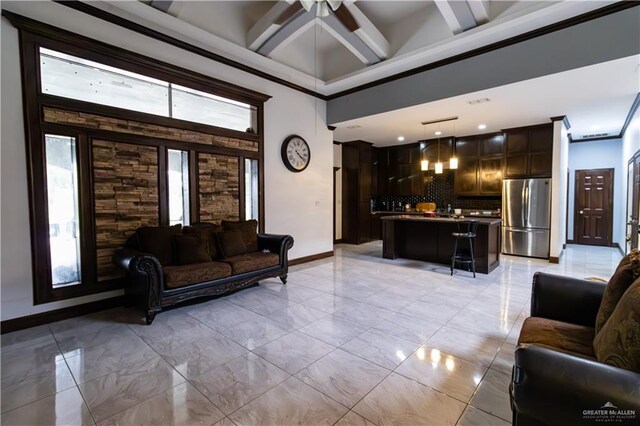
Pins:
<point x="295" y="153"/>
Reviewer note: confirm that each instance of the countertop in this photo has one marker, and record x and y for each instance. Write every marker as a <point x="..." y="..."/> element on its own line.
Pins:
<point x="413" y="212"/>
<point x="413" y="217"/>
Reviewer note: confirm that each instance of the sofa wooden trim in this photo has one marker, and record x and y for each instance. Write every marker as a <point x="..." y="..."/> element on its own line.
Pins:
<point x="146" y="287"/>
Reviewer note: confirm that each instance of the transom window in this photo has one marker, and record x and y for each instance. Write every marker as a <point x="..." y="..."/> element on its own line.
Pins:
<point x="76" y="78"/>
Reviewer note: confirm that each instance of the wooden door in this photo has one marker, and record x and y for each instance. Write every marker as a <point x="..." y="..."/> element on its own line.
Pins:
<point x="593" y="207"/>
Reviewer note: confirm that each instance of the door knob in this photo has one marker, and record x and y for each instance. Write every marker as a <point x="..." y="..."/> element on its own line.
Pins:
<point x="581" y="212"/>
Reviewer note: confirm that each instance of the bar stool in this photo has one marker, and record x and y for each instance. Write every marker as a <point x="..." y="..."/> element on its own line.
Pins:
<point x="467" y="230"/>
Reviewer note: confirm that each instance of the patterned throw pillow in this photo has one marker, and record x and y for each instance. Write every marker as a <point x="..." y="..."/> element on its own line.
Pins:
<point x="624" y="276"/>
<point x="248" y="229"/>
<point x="158" y="241"/>
<point x="231" y="243"/>
<point x="618" y="343"/>
<point x="191" y="249"/>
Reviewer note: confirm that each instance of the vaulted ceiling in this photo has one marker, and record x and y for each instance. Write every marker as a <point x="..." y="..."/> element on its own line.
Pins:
<point x="364" y="39"/>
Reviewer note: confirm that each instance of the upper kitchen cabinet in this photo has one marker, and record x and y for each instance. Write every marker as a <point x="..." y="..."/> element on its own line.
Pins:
<point x="528" y="151"/>
<point x="357" y="162"/>
<point x="480" y="165"/>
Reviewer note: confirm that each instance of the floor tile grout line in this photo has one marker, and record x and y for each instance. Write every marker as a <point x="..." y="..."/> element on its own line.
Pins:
<point x="84" y="399"/>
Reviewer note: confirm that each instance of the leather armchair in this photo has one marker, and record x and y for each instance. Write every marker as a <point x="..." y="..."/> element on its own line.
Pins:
<point x="554" y="387"/>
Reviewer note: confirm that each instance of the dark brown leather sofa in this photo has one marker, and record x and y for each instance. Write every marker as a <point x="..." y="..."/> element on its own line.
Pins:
<point x="557" y="378"/>
<point x="158" y="281"/>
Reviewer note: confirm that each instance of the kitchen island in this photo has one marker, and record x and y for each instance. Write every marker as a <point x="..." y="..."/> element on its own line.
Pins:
<point x="429" y="239"/>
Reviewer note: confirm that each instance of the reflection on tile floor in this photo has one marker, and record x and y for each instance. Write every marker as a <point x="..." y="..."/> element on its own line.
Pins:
<point x="354" y="339"/>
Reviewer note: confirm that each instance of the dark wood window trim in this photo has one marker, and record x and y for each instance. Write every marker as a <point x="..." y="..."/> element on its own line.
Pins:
<point x="36" y="128"/>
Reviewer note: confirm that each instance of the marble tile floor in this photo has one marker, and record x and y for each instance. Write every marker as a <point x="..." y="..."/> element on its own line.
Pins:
<point x="350" y="340"/>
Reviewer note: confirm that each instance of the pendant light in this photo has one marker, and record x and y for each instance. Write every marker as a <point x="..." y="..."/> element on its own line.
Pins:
<point x="439" y="165"/>
<point x="424" y="163"/>
<point x="453" y="161"/>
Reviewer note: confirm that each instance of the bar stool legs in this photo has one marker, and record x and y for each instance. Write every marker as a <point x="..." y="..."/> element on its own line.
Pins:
<point x="455" y="253"/>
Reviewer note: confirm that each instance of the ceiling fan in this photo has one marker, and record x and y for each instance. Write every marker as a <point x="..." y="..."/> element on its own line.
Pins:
<point x="323" y="7"/>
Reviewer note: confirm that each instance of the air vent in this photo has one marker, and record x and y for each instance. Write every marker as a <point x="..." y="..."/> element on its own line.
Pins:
<point x="353" y="126"/>
<point x="595" y="135"/>
<point x="479" y="101"/>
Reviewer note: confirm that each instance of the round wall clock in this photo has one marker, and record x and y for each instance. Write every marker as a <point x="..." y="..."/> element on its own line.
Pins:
<point x="295" y="153"/>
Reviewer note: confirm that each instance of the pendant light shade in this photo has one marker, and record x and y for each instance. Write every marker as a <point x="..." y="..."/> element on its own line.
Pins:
<point x="424" y="165"/>
<point x="453" y="163"/>
<point x="439" y="168"/>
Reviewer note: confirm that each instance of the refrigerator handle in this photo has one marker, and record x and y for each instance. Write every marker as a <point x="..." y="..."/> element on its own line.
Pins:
<point x="523" y="204"/>
<point x="526" y="205"/>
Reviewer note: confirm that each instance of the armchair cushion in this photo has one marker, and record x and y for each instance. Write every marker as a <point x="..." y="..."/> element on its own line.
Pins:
<point x="158" y="241"/>
<point x="248" y="229"/>
<point x="618" y="343"/>
<point x="624" y="276"/>
<point x="191" y="249"/>
<point x="252" y="261"/>
<point x="231" y="244"/>
<point x="208" y="232"/>
<point x="184" y="275"/>
<point x="558" y="335"/>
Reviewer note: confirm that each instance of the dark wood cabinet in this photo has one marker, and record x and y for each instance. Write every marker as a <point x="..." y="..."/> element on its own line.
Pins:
<point x="490" y="176"/>
<point x="480" y="164"/>
<point x="529" y="151"/>
<point x="491" y="144"/>
<point x="467" y="147"/>
<point x="466" y="180"/>
<point x="357" y="185"/>
<point x="516" y="165"/>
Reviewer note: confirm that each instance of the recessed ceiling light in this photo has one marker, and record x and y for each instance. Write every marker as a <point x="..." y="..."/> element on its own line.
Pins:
<point x="400" y="138"/>
<point x="438" y="133"/>
<point x="482" y="126"/>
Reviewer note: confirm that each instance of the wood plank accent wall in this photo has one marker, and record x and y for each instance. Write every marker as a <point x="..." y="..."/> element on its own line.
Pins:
<point x="125" y="197"/>
<point x="94" y="121"/>
<point x="218" y="187"/>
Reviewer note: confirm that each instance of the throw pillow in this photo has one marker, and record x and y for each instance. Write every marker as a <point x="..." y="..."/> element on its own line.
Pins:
<point x="208" y="233"/>
<point x="618" y="343"/>
<point x="191" y="249"/>
<point x="232" y="243"/>
<point x="249" y="230"/>
<point x="624" y="276"/>
<point x="158" y="241"/>
<point x="628" y="258"/>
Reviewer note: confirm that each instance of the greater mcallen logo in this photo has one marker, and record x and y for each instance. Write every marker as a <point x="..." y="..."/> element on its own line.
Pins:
<point x="609" y="413"/>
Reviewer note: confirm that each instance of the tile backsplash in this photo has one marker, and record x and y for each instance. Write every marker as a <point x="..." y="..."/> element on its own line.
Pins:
<point x="440" y="190"/>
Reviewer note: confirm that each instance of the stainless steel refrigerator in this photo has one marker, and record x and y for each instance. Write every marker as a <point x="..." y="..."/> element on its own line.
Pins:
<point x="526" y="217"/>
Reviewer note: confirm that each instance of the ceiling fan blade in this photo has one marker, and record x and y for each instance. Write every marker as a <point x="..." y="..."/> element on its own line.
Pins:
<point x="347" y="19"/>
<point x="289" y="13"/>
<point x="334" y="4"/>
<point x="307" y="4"/>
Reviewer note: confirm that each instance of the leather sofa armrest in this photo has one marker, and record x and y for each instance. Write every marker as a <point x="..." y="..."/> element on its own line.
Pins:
<point x="566" y="299"/>
<point x="556" y="387"/>
<point x="279" y="244"/>
<point x="136" y="262"/>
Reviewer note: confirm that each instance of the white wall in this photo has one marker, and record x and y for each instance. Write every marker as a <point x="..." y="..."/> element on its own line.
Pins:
<point x="605" y="154"/>
<point x="560" y="164"/>
<point x="299" y="204"/>
<point x="337" y="162"/>
<point x="630" y="145"/>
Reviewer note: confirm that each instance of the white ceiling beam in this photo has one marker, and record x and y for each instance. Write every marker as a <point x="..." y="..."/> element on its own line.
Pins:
<point x="457" y="14"/>
<point x="351" y="41"/>
<point x="368" y="32"/>
<point x="287" y="33"/>
<point x="266" y="26"/>
<point x="480" y="10"/>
